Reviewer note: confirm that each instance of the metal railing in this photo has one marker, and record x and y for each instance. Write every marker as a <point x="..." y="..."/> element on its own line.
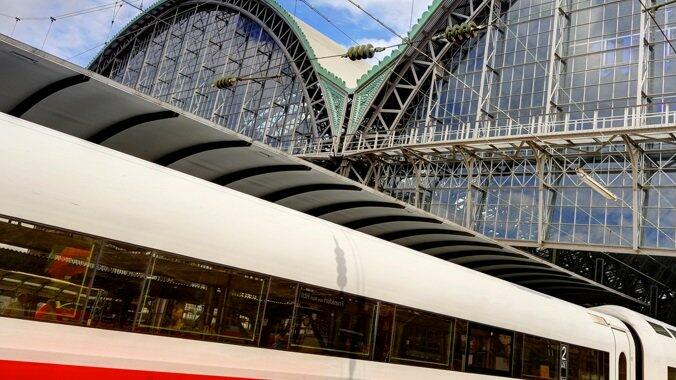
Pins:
<point x="541" y="126"/>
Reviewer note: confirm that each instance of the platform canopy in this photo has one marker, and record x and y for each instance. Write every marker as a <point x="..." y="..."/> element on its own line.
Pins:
<point x="49" y="91"/>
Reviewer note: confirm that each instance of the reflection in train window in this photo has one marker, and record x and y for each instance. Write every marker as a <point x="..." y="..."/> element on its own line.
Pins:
<point x="659" y="329"/>
<point x="517" y="354"/>
<point x="119" y="272"/>
<point x="191" y="299"/>
<point x="540" y="358"/>
<point x="586" y="363"/>
<point x="490" y="350"/>
<point x="44" y="274"/>
<point x="332" y="321"/>
<point x="383" y="344"/>
<point x="421" y="337"/>
<point x="460" y="345"/>
<point x="279" y="314"/>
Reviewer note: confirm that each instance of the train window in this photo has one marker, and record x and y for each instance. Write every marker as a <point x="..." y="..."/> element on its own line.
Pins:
<point x="44" y="273"/>
<point x="586" y="364"/>
<point x="490" y="350"/>
<point x="622" y="367"/>
<point x="673" y="332"/>
<point x="333" y="322"/>
<point x="540" y="358"/>
<point x="383" y="344"/>
<point x="517" y="355"/>
<point x="459" y="345"/>
<point x="671" y="373"/>
<point x="192" y="299"/>
<point x="659" y="329"/>
<point x="279" y="314"/>
<point x="421" y="337"/>
<point x="115" y="294"/>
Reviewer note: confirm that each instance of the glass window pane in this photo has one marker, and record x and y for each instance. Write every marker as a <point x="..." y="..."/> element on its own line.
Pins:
<point x="459" y="345"/>
<point x="278" y="314"/>
<point x="116" y="290"/>
<point x="383" y="345"/>
<point x="583" y="364"/>
<point x="44" y="273"/>
<point x="333" y="322"/>
<point x="540" y="358"/>
<point x="490" y="350"/>
<point x="191" y="299"/>
<point x="421" y="337"/>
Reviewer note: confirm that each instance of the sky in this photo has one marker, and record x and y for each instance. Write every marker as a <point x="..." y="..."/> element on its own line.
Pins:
<point x="82" y="27"/>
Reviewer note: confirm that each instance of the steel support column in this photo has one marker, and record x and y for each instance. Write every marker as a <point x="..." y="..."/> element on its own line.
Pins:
<point x="635" y="154"/>
<point x="542" y="160"/>
<point x="644" y="58"/>
<point x="557" y="64"/>
<point x="473" y="168"/>
<point x="488" y="72"/>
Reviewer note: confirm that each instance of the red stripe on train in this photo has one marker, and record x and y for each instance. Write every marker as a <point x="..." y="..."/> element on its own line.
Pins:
<point x="13" y="370"/>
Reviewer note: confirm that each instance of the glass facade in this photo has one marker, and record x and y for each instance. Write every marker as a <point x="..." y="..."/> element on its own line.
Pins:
<point x="598" y="80"/>
<point x="178" y="60"/>
<point x="600" y="50"/>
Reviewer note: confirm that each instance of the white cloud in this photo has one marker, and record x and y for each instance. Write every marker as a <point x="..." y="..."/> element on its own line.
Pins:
<point x="68" y="36"/>
<point x="79" y="38"/>
<point x="393" y="13"/>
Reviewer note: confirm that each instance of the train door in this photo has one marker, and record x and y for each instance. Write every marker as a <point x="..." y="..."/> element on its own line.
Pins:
<point x="623" y="356"/>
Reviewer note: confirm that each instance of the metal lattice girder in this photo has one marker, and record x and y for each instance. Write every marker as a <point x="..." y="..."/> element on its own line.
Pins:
<point x="413" y="69"/>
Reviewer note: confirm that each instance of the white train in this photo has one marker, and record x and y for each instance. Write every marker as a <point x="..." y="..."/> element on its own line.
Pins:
<point x="112" y="267"/>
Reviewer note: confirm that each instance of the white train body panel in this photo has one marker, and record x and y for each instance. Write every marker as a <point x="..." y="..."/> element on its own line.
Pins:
<point x="659" y="351"/>
<point x="58" y="180"/>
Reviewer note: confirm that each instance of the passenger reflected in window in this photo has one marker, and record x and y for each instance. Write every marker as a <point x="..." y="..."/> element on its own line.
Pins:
<point x="19" y="307"/>
<point x="44" y="273"/>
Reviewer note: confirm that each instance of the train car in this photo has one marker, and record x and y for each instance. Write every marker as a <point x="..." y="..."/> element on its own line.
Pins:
<point x="112" y="267"/>
<point x="655" y="353"/>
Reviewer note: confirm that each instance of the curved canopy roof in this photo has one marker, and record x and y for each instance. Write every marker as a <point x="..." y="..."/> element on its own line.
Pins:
<point x="49" y="91"/>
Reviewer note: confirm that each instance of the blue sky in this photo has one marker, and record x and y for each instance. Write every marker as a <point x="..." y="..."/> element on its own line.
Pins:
<point x="83" y="26"/>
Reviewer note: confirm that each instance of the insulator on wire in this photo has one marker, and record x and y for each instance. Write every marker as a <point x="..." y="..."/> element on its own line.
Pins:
<point x="225" y="82"/>
<point x="460" y="32"/>
<point x="358" y="52"/>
